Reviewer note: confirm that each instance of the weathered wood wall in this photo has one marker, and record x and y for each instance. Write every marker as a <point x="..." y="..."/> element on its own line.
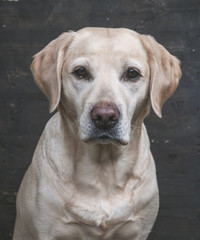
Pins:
<point x="27" y="26"/>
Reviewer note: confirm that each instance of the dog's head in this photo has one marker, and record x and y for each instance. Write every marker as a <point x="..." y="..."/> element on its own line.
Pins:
<point x="106" y="78"/>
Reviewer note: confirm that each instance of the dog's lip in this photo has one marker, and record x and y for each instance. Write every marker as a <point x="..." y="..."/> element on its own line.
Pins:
<point x="105" y="139"/>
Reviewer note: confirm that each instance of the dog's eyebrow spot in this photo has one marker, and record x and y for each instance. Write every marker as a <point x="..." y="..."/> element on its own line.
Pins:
<point x="132" y="63"/>
<point x="82" y="61"/>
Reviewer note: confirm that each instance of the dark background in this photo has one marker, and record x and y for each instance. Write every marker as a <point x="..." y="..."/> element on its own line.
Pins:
<point x="27" y="26"/>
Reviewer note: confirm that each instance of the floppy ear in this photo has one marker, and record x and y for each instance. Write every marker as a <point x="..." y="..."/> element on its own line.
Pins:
<point x="165" y="73"/>
<point x="47" y="66"/>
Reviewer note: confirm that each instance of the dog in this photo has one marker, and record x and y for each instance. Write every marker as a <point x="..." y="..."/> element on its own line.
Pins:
<point x="92" y="175"/>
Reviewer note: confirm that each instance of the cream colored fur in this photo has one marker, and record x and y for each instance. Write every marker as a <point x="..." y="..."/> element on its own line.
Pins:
<point x="77" y="188"/>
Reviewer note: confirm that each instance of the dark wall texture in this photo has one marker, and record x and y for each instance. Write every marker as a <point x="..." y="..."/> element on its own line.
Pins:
<point x="27" y="26"/>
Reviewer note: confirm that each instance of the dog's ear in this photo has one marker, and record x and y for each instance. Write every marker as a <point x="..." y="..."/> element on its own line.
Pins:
<point x="165" y="73"/>
<point x="47" y="66"/>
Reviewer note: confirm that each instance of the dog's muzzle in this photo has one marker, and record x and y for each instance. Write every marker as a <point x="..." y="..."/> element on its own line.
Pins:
<point x="105" y="124"/>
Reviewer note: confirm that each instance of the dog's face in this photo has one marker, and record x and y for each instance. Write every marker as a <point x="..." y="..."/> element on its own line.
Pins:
<point x="108" y="73"/>
<point x="106" y="76"/>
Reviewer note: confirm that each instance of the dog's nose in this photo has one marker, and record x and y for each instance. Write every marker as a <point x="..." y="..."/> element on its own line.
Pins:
<point x="105" y="115"/>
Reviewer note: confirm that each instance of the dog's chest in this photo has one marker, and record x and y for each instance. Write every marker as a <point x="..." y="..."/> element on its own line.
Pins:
<point x="102" y="211"/>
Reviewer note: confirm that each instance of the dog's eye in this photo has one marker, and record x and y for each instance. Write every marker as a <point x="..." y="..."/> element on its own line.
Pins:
<point x="81" y="73"/>
<point x="132" y="74"/>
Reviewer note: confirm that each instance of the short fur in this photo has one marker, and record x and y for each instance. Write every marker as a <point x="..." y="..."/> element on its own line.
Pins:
<point x="80" y="186"/>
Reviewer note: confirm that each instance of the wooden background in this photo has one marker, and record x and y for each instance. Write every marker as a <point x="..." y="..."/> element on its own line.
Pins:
<point x="27" y="26"/>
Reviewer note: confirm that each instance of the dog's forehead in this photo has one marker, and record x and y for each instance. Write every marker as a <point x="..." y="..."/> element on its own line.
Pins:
<point x="107" y="41"/>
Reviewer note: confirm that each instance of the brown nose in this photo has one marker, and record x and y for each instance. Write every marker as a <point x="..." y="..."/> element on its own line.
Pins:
<point x="105" y="115"/>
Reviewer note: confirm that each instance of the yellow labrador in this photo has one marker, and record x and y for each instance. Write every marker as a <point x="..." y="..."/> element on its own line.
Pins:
<point x="93" y="175"/>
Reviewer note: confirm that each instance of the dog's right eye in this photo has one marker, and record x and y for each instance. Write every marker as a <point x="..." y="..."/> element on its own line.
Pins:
<point x="132" y="74"/>
<point x="81" y="73"/>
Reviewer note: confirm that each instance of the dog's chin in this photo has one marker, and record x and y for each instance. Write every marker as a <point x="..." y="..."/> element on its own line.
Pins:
<point x="105" y="140"/>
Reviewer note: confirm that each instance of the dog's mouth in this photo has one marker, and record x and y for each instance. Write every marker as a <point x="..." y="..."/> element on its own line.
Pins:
<point x="118" y="134"/>
<point x="104" y="139"/>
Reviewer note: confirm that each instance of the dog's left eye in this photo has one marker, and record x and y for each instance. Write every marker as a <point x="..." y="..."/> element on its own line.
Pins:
<point x="81" y="73"/>
<point x="132" y="74"/>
